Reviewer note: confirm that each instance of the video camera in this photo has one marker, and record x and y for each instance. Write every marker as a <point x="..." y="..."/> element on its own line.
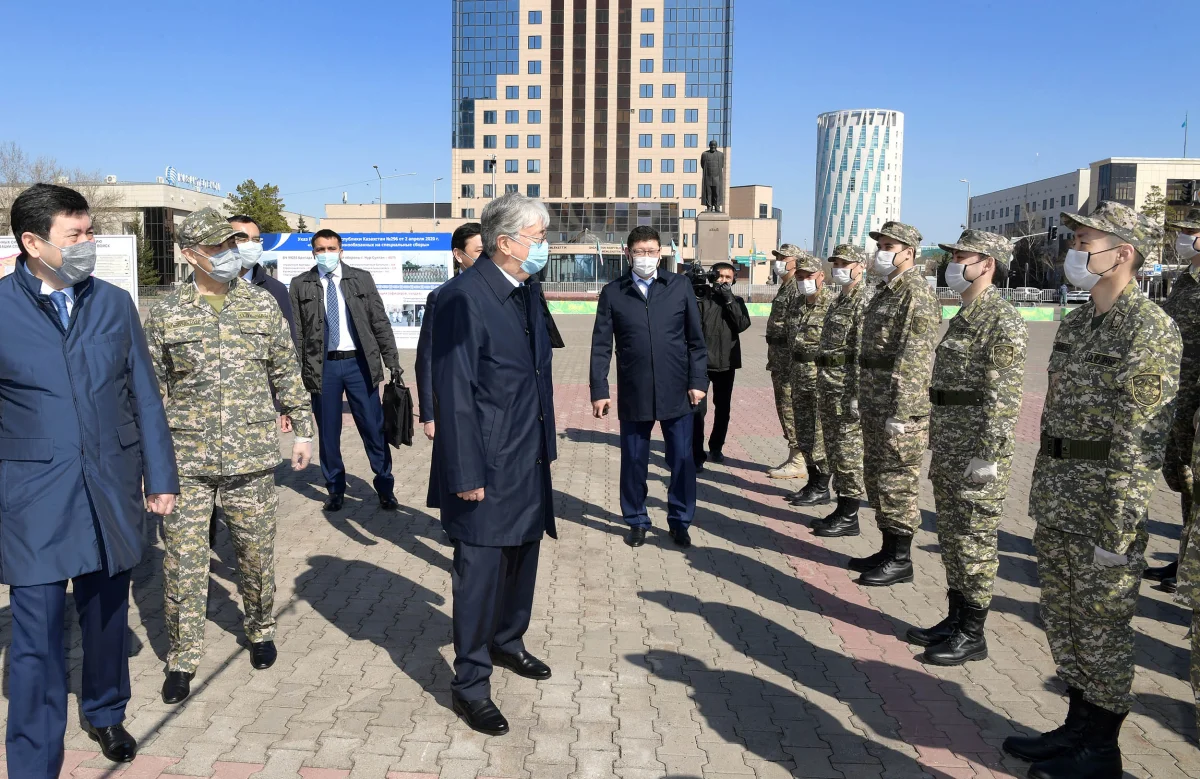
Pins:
<point x="699" y="277"/>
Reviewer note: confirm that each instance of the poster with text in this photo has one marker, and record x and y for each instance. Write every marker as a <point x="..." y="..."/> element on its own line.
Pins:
<point x="406" y="268"/>
<point x="116" y="260"/>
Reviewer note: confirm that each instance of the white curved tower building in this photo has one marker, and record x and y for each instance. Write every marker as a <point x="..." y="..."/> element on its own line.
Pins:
<point x="860" y="167"/>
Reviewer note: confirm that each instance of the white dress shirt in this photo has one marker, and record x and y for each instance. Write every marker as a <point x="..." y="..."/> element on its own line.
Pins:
<point x="68" y="291"/>
<point x="343" y="342"/>
<point x="510" y="277"/>
<point x="643" y="285"/>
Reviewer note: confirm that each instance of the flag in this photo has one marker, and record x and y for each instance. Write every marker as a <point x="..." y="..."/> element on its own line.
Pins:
<point x="674" y="248"/>
<point x="599" y="251"/>
<point x="1184" y="123"/>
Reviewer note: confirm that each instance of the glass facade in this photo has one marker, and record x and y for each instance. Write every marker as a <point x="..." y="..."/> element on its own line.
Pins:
<point x="486" y="44"/>
<point x="698" y="42"/>
<point x="1117" y="181"/>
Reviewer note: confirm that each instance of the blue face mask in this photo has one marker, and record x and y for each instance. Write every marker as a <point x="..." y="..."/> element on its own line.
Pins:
<point x="539" y="255"/>
<point x="327" y="261"/>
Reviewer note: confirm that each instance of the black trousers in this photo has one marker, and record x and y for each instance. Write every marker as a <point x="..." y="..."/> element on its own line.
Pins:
<point x="493" y="600"/>
<point x="722" y="395"/>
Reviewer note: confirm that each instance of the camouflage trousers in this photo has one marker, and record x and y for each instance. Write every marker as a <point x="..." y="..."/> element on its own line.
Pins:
<point x="1177" y="471"/>
<point x="782" y="382"/>
<point x="892" y="471"/>
<point x="967" y="532"/>
<point x="843" y="449"/>
<point x="807" y="415"/>
<point x="1088" y="613"/>
<point x="249" y="502"/>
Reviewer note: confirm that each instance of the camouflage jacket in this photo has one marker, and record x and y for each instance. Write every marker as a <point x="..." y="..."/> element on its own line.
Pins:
<point x="779" y="327"/>
<point x="1183" y="306"/>
<point x="899" y="332"/>
<point x="841" y="341"/>
<point x="982" y="352"/>
<point x="216" y="371"/>
<point x="1113" y="383"/>
<point x="806" y="337"/>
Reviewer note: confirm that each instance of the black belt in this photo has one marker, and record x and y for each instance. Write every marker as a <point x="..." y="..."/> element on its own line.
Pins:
<point x="1070" y="449"/>
<point x="882" y="363"/>
<point x="803" y="359"/>
<point x="340" y="355"/>
<point x="832" y="361"/>
<point x="939" y="397"/>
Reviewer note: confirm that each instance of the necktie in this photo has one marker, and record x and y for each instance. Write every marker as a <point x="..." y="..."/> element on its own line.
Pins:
<point x="59" y="299"/>
<point x="333" y="323"/>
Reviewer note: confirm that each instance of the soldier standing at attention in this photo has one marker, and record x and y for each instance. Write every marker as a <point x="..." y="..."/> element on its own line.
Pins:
<point x="976" y="395"/>
<point x="899" y="332"/>
<point x="779" y="357"/>
<point x="1109" y="403"/>
<point x="218" y="346"/>
<point x="837" y="391"/>
<point x="1183" y="305"/>
<point x="812" y="302"/>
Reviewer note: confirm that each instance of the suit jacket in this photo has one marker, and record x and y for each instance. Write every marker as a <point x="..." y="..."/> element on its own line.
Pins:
<point x="260" y="278"/>
<point x="661" y="352"/>
<point x="368" y="322"/>
<point x="81" y="427"/>
<point x="494" y="409"/>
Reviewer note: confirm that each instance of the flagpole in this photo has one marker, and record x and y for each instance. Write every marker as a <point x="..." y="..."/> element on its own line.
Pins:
<point x="1185" y="129"/>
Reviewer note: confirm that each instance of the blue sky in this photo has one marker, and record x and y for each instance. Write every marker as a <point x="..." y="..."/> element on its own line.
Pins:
<point x="310" y="95"/>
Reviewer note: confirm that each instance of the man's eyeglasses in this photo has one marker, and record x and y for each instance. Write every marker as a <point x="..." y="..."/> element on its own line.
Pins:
<point x="643" y="255"/>
<point x="247" y="239"/>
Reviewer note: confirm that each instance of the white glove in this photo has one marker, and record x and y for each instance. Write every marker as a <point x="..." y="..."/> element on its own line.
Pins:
<point x="854" y="408"/>
<point x="981" y="471"/>
<point x="893" y="427"/>
<point x="1106" y="559"/>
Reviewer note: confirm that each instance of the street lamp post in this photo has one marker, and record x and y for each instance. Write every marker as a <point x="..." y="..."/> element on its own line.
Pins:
<point x="493" y="175"/>
<point x="435" y="181"/>
<point x="377" y="173"/>
<point x="968" y="183"/>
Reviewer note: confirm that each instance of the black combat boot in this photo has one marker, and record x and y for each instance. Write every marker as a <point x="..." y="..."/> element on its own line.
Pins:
<point x="1096" y="756"/>
<point x="864" y="564"/>
<point x="815" y="492"/>
<point x="1161" y="572"/>
<point x="842" y="522"/>
<point x="942" y="630"/>
<point x="967" y="643"/>
<point x="1056" y="742"/>
<point x="896" y="569"/>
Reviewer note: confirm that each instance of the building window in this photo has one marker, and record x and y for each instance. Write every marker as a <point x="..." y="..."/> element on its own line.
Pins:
<point x="534" y="92"/>
<point x="645" y="114"/>
<point x="487" y="190"/>
<point x="666" y="166"/>
<point x="510" y="166"/>
<point x="731" y="240"/>
<point x="535" y="67"/>
<point x="533" y="166"/>
<point x="468" y="166"/>
<point x="1043" y="223"/>
<point x="685" y="240"/>
<point x="645" y="166"/>
<point x="535" y="17"/>
<point x="1044" y="206"/>
<point x="647" y="40"/>
<point x="647" y="14"/>
<point x="533" y="117"/>
<point x="646" y="90"/>
<point x="512" y="117"/>
<point x="691" y="115"/>
<point x="691" y="141"/>
<point x="511" y="189"/>
<point x="1070" y="200"/>
<point x="666" y="190"/>
<point x="468" y="213"/>
<point x="668" y="141"/>
<point x="645" y="141"/>
<point x="489" y="166"/>
<point x="740" y="244"/>
<point x="689" y="213"/>
<point x="668" y="90"/>
<point x="512" y="141"/>
<point x="668" y="115"/>
<point x="535" y="41"/>
<point x="690" y="166"/>
<point x="762" y="210"/>
<point x="643" y="190"/>
<point x="689" y="190"/>
<point x="489" y="117"/>
<point x="468" y="190"/>
<point x="533" y="141"/>
<point x="489" y="141"/>
<point x="647" y="66"/>
<point x="512" y="93"/>
<point x="533" y="190"/>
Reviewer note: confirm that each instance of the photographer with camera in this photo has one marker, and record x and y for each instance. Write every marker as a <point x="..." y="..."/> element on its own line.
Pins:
<point x="723" y="316"/>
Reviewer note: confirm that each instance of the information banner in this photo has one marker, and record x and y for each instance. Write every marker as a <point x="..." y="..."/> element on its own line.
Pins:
<point x="116" y="260"/>
<point x="406" y="268"/>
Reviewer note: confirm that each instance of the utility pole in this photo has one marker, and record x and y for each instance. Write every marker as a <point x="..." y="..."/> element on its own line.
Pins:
<point x="967" y="224"/>
<point x="377" y="173"/>
<point x="435" y="181"/>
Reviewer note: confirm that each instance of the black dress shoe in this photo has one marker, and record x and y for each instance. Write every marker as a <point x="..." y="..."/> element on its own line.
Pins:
<point x="389" y="503"/>
<point x="716" y="456"/>
<point x="681" y="538"/>
<point x="637" y="536"/>
<point x="334" y="503"/>
<point x="522" y="664"/>
<point x="1170" y="584"/>
<point x="481" y="716"/>
<point x="1161" y="572"/>
<point x="177" y="687"/>
<point x="115" y="742"/>
<point x="263" y="654"/>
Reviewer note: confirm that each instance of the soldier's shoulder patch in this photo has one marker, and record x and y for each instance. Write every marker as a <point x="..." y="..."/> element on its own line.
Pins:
<point x="1004" y="355"/>
<point x="1146" y="388"/>
<point x="921" y="325"/>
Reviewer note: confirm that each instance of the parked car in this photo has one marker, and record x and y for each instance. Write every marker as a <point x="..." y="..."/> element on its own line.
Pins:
<point x="1078" y="296"/>
<point x="1026" y="296"/>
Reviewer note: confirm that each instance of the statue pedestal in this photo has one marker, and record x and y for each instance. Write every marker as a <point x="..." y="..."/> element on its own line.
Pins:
<point x="712" y="237"/>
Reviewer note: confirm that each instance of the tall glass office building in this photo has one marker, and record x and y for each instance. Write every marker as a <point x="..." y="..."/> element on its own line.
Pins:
<point x="860" y="167"/>
<point x="601" y="108"/>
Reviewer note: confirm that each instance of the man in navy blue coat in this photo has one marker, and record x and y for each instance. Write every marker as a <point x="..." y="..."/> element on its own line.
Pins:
<point x="493" y="400"/>
<point x="82" y="434"/>
<point x="662" y="375"/>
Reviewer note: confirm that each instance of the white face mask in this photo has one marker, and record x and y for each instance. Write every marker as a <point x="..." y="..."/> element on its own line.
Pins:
<point x="251" y="252"/>
<point x="808" y="287"/>
<point x="645" y="266"/>
<point x="885" y="262"/>
<point x="780" y="268"/>
<point x="1185" y="247"/>
<point x="843" y="277"/>
<point x="1076" y="268"/>
<point x="956" y="278"/>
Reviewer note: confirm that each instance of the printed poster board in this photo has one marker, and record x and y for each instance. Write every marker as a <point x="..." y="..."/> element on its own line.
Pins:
<point x="116" y="260"/>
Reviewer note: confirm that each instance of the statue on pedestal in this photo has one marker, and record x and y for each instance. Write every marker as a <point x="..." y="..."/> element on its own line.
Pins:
<point x="712" y="190"/>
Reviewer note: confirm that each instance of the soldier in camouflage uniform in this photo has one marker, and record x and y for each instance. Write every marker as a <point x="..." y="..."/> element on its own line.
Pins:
<point x="812" y="301"/>
<point x="1113" y="375"/>
<point x="779" y="357"/>
<point x="837" y="390"/>
<point x="899" y="332"/>
<point x="219" y="345"/>
<point x="976" y="395"/>
<point x="1183" y="305"/>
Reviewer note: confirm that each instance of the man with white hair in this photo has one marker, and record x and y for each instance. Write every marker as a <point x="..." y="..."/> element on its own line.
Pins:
<point x="493" y="402"/>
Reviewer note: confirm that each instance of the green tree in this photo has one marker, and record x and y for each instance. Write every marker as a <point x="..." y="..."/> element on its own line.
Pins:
<point x="1154" y="208"/>
<point x="262" y="204"/>
<point x="147" y="268"/>
<point x="301" y="225"/>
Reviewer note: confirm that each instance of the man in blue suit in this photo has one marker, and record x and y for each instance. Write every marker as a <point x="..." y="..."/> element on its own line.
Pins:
<point x="82" y="434"/>
<point x="493" y="400"/>
<point x="662" y="375"/>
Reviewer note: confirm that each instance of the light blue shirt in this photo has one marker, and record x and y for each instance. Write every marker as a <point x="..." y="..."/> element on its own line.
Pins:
<point x="344" y="343"/>
<point x="643" y="285"/>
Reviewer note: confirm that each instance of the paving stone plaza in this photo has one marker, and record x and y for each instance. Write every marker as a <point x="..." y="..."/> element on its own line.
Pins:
<point x="752" y="653"/>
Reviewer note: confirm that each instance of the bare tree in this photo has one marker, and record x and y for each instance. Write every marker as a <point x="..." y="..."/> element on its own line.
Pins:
<point x="19" y="171"/>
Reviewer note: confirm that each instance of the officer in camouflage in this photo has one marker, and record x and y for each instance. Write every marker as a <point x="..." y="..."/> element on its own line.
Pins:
<point x="1113" y="375"/>
<point x="978" y="370"/>
<point x="837" y="390"/>
<point x="779" y="357"/>
<point x="813" y="300"/>
<point x="1183" y="305"/>
<point x="218" y="346"/>
<point x="899" y="332"/>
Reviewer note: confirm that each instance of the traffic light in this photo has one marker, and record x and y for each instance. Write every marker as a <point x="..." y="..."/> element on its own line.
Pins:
<point x="1054" y="232"/>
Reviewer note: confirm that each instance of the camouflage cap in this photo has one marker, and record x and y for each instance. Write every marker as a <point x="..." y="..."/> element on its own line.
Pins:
<point x="205" y="227"/>
<point x="809" y="263"/>
<point x="848" y="252"/>
<point x="906" y="234"/>
<point x="1122" y="221"/>
<point x="788" y="250"/>
<point x="982" y="242"/>
<point x="1190" y="221"/>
